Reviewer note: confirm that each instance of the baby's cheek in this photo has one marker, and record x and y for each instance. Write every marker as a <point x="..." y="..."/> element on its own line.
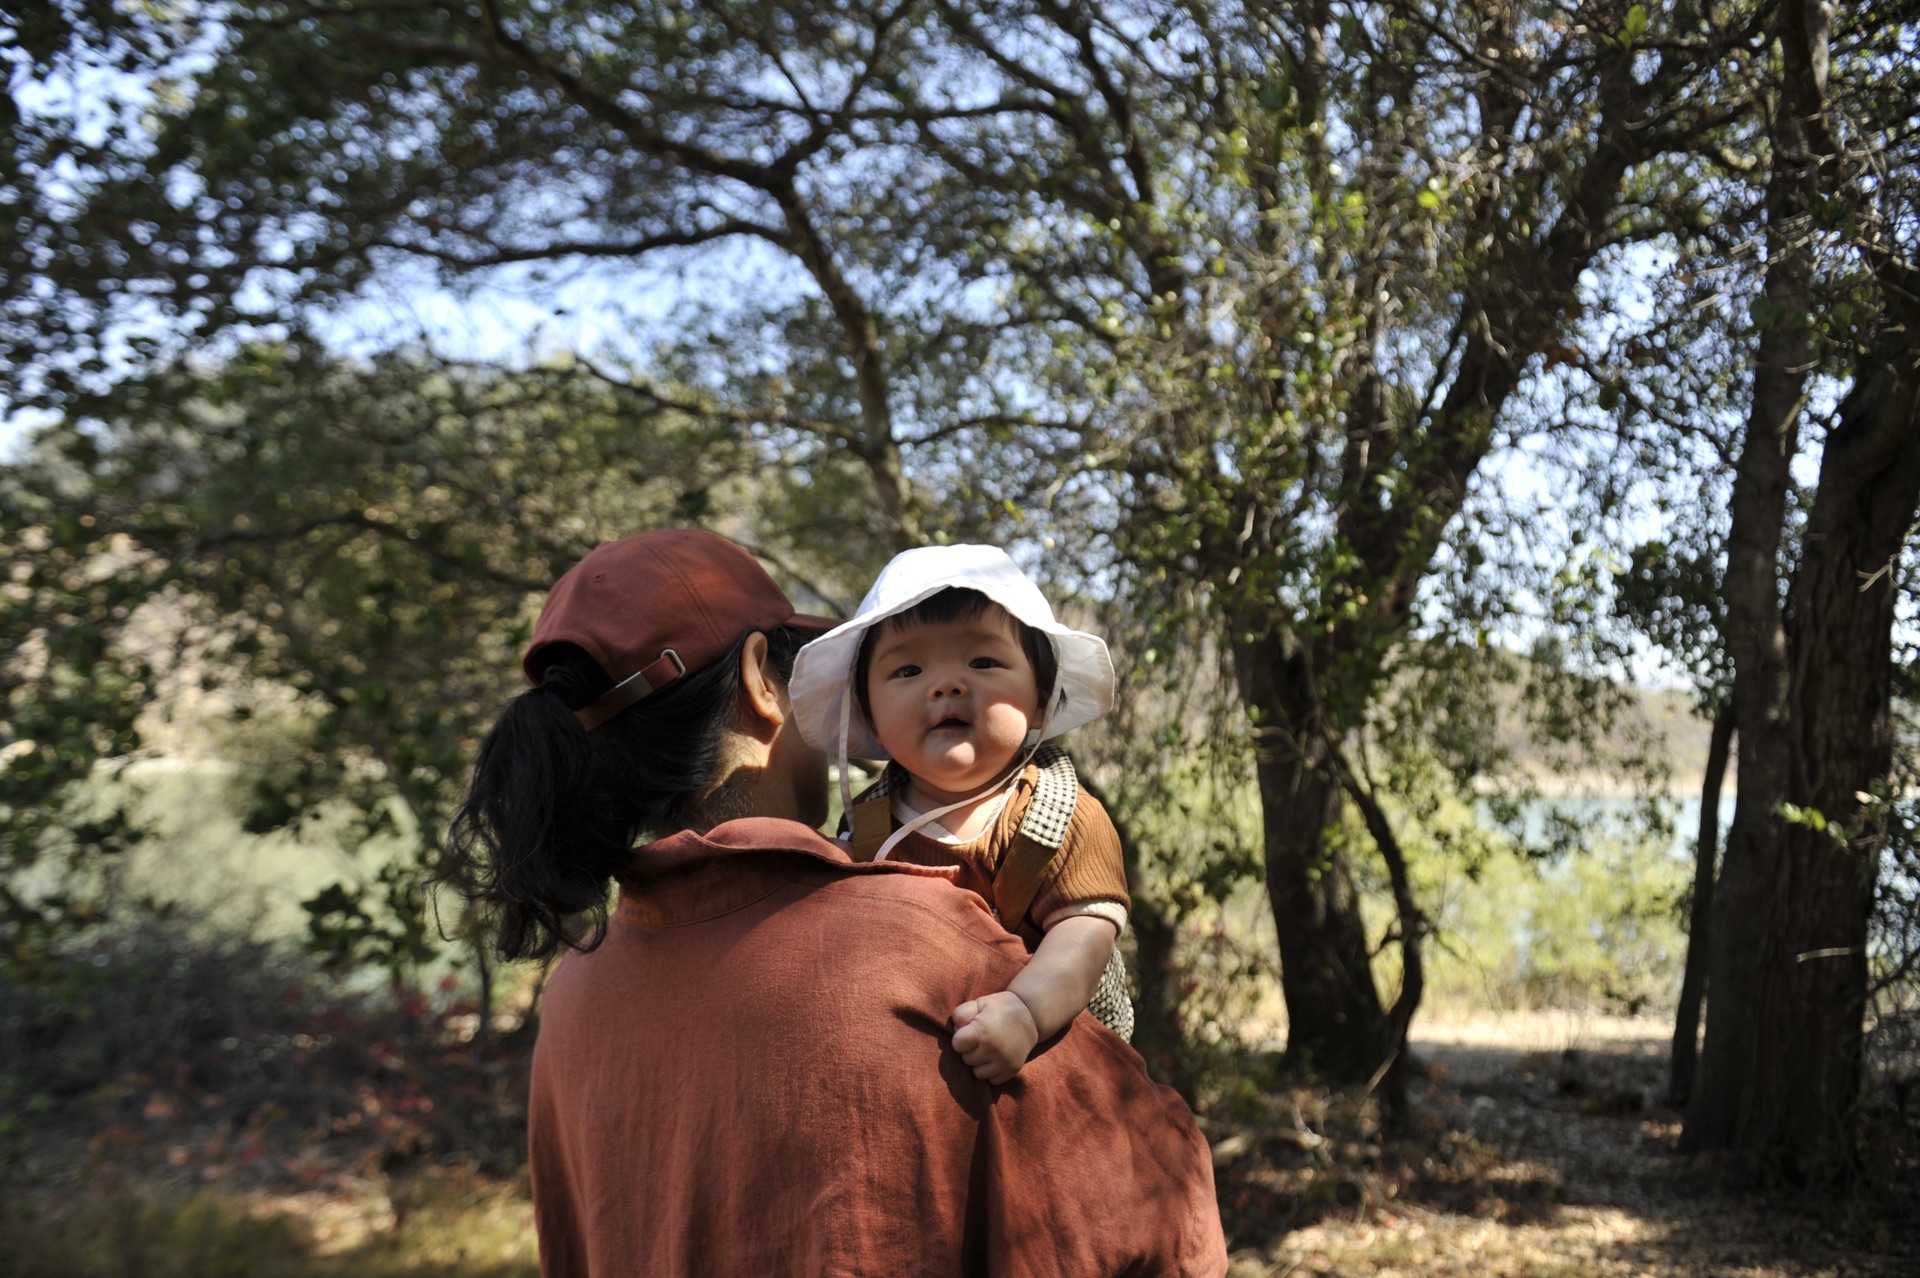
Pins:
<point x="1007" y="727"/>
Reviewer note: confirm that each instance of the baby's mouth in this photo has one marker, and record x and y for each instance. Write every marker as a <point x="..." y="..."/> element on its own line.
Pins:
<point x="951" y="723"/>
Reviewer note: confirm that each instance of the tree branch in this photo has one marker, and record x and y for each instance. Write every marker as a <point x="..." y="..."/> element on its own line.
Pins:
<point x="578" y="248"/>
<point x="215" y="539"/>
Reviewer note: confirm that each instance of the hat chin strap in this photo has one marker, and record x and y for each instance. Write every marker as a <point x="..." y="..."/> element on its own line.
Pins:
<point x="846" y="785"/>
<point x="1030" y="744"/>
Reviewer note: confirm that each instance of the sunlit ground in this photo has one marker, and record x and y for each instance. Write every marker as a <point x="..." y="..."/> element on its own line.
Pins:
<point x="1559" y="1161"/>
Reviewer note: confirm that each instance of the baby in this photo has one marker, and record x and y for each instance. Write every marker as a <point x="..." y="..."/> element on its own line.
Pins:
<point x="955" y="668"/>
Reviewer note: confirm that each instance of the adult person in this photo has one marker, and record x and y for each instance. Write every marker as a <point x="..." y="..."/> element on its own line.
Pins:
<point x="744" y="1067"/>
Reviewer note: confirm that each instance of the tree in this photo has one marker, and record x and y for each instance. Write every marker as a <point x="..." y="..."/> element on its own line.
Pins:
<point x="1246" y="296"/>
<point x="1671" y="593"/>
<point x="70" y="700"/>
<point x="213" y="188"/>
<point x="366" y="535"/>
<point x="1780" y="1071"/>
<point x="1422" y="195"/>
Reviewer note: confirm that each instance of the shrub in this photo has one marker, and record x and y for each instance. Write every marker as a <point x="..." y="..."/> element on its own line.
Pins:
<point x="163" y="1020"/>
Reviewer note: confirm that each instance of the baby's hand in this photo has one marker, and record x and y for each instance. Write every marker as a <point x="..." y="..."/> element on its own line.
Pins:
<point x="994" y="1035"/>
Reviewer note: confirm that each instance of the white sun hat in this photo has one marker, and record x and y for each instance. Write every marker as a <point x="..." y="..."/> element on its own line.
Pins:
<point x="824" y="705"/>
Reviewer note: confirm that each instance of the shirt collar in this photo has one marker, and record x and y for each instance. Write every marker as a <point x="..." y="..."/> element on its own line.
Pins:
<point x="691" y="875"/>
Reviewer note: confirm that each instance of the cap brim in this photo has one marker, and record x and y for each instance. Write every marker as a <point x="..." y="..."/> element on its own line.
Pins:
<point x="808" y="626"/>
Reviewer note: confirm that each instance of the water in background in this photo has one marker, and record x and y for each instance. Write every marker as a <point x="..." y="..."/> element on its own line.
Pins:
<point x="1616" y="814"/>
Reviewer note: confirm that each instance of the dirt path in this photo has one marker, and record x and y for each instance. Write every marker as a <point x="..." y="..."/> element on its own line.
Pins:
<point x="1546" y="1152"/>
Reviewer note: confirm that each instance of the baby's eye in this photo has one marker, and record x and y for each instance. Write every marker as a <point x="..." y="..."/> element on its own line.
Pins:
<point x="906" y="672"/>
<point x="983" y="663"/>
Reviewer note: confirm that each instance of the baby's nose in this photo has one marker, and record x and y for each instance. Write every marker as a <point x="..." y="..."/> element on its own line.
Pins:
<point x="951" y="686"/>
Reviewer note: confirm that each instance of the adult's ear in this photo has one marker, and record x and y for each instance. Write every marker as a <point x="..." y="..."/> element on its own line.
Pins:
<point x="764" y="692"/>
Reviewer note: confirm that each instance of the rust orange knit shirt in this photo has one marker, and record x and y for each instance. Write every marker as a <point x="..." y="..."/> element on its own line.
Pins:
<point x="1088" y="866"/>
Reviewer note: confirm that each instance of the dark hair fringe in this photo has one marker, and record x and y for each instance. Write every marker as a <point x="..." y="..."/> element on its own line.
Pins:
<point x="955" y="603"/>
<point x="553" y="810"/>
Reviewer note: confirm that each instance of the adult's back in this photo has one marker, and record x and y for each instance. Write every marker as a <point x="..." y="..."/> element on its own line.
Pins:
<point x="753" y="1075"/>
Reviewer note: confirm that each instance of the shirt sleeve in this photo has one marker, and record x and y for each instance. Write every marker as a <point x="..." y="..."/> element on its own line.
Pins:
<point x="1089" y="866"/>
<point x="1086" y="1167"/>
<point x="1112" y="911"/>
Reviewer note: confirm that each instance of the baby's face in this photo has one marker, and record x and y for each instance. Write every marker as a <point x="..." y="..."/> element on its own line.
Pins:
<point x="953" y="700"/>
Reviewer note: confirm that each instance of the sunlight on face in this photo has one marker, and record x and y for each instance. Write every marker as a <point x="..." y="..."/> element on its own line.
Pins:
<point x="953" y="701"/>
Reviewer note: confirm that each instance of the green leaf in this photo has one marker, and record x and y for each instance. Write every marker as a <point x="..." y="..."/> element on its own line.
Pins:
<point x="1636" y="24"/>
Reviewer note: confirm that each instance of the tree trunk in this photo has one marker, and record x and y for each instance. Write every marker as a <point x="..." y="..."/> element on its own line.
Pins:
<point x="1158" y="1034"/>
<point x="483" y="966"/>
<point x="1336" y="1027"/>
<point x="1780" y="1073"/>
<point x="1757" y="642"/>
<point x="1795" y="1105"/>
<point x="1413" y="931"/>
<point x="1706" y="855"/>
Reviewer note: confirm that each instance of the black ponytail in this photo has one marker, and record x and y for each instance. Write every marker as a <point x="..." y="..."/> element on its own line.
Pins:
<point x="553" y="809"/>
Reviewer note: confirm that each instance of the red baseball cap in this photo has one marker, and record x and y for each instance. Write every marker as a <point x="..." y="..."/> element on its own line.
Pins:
<point x="657" y="605"/>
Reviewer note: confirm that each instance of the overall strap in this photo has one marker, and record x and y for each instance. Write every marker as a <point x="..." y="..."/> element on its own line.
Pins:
<point x="871" y="819"/>
<point x="1042" y="830"/>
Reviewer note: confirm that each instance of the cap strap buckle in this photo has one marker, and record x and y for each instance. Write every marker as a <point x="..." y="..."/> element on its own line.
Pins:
<point x="635" y="687"/>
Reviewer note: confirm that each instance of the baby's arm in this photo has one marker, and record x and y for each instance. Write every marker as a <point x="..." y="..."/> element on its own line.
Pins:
<point x="994" y="1035"/>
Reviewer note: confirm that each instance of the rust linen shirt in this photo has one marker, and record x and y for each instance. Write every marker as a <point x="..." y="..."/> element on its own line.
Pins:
<point x="753" y="1075"/>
